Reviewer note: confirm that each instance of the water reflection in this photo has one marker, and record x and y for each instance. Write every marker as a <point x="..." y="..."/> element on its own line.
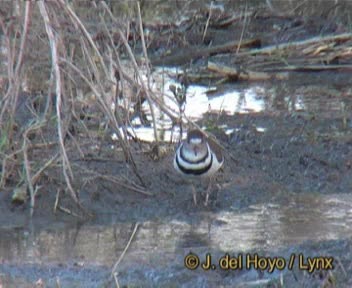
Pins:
<point x="233" y="99"/>
<point x="198" y="103"/>
<point x="263" y="226"/>
<point x="229" y="102"/>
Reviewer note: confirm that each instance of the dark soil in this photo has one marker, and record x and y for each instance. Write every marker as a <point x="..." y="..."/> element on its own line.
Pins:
<point x="299" y="153"/>
<point x="286" y="169"/>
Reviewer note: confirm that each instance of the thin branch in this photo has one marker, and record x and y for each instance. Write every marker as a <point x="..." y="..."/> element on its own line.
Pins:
<point x="26" y="25"/>
<point x="125" y="250"/>
<point x="137" y="70"/>
<point x="28" y="175"/>
<point x="243" y="29"/>
<point x="297" y="44"/>
<point x="76" y="21"/>
<point x="115" y="180"/>
<point x="55" y="66"/>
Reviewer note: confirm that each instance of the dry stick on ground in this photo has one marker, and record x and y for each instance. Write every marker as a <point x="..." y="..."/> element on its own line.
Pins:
<point x="113" y="271"/>
<point x="55" y="66"/>
<point x="31" y="181"/>
<point x="69" y="212"/>
<point x="185" y="55"/>
<point x="123" y="142"/>
<point x="117" y="181"/>
<point x="234" y="18"/>
<point x="315" y="57"/>
<point x="311" y="68"/>
<point x="36" y="176"/>
<point x="231" y="72"/>
<point x="116" y="281"/>
<point x="57" y="206"/>
<point x="272" y="49"/>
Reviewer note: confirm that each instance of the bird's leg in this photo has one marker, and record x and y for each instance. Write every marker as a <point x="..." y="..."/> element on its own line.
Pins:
<point x="208" y="190"/>
<point x="218" y="188"/>
<point x="194" y="192"/>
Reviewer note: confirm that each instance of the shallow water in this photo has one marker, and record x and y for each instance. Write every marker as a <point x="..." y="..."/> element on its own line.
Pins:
<point x="85" y="253"/>
<point x="74" y="254"/>
<point x="69" y="253"/>
<point x="234" y="99"/>
<point x="271" y="226"/>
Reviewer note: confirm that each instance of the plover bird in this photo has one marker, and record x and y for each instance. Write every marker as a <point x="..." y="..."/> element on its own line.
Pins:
<point x="196" y="157"/>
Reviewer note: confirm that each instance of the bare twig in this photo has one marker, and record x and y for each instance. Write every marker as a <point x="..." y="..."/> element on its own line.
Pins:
<point x="130" y="186"/>
<point x="53" y="40"/>
<point x="116" y="280"/>
<point x="31" y="181"/>
<point x="243" y="29"/>
<point x="125" y="250"/>
<point x="28" y="175"/>
<point x="136" y="68"/>
<point x="208" y="20"/>
<point x="68" y="211"/>
<point x="311" y="68"/>
<point x="26" y="25"/>
<point x="14" y="72"/>
<point x="143" y="42"/>
<point x="56" y="200"/>
<point x="100" y="96"/>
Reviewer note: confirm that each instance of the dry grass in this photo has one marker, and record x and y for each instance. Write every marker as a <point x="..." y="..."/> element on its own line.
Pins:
<point x="67" y="63"/>
<point x="55" y="42"/>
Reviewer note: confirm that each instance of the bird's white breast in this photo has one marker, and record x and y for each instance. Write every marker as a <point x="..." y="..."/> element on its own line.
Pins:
<point x="211" y="160"/>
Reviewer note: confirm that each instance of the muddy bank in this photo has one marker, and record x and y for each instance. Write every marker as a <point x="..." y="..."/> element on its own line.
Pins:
<point x="285" y="187"/>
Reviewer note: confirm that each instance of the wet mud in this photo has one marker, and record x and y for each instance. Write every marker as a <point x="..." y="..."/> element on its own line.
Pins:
<point x="283" y="194"/>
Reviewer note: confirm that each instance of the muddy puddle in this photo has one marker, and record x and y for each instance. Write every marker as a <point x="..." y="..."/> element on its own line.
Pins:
<point x="279" y="223"/>
<point x="252" y="216"/>
<point x="86" y="253"/>
<point x="229" y="100"/>
<point x="283" y="194"/>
